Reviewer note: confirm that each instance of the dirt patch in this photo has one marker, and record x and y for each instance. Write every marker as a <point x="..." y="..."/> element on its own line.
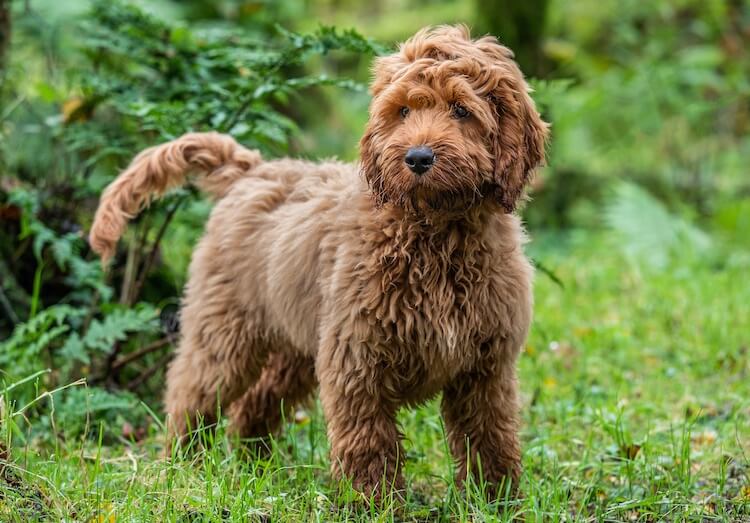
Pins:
<point x="17" y="495"/>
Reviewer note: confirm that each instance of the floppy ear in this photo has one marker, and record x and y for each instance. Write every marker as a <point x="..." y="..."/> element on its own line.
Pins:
<point x="368" y="164"/>
<point x="519" y="141"/>
<point x="384" y="69"/>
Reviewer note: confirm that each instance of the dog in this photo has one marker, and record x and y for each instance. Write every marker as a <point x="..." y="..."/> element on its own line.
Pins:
<point x="383" y="283"/>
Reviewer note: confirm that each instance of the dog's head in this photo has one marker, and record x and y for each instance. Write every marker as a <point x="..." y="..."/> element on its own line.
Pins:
<point x="451" y="123"/>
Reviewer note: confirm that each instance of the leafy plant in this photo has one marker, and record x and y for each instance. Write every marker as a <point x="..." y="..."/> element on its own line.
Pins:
<point x="138" y="81"/>
<point x="23" y="350"/>
<point x="657" y="95"/>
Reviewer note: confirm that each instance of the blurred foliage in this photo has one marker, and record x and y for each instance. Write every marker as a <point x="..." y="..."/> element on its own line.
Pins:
<point x="519" y="25"/>
<point x="648" y="231"/>
<point x="659" y="94"/>
<point x="649" y="104"/>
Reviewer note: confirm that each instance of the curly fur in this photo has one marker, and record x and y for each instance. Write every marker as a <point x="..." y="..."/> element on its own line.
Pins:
<point x="383" y="287"/>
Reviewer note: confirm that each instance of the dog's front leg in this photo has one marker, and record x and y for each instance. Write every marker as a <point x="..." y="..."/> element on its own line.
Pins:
<point x="481" y="414"/>
<point x="362" y="428"/>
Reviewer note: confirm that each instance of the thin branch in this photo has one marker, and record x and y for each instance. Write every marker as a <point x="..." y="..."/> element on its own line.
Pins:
<point x="131" y="270"/>
<point x="135" y="355"/>
<point x="110" y="375"/>
<point x="237" y="115"/>
<point x="548" y="272"/>
<point x="148" y="373"/>
<point x="154" y="249"/>
<point x="131" y="266"/>
<point x="92" y="310"/>
<point x="94" y="305"/>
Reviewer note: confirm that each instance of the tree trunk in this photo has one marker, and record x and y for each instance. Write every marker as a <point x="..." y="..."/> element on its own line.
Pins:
<point x="4" y="34"/>
<point x="518" y="25"/>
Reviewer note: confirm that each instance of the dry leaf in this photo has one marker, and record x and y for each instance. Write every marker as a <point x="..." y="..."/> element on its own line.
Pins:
<point x="706" y="437"/>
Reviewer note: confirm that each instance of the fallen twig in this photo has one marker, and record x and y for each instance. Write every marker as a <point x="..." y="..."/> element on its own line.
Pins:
<point x="135" y="355"/>
<point x="146" y="374"/>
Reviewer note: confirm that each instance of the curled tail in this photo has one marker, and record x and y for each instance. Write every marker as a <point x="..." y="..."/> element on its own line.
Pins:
<point x="218" y="158"/>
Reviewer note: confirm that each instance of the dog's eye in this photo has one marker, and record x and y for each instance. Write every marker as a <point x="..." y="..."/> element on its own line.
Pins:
<point x="403" y="111"/>
<point x="459" y="111"/>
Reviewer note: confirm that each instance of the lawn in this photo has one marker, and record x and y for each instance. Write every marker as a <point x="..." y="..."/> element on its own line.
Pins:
<point x="636" y="408"/>
<point x="635" y="377"/>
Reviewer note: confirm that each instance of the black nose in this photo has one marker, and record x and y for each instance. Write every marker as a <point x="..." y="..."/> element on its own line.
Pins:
<point x="419" y="159"/>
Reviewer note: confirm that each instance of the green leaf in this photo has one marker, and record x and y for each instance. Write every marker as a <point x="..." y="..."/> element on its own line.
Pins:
<point x="116" y="326"/>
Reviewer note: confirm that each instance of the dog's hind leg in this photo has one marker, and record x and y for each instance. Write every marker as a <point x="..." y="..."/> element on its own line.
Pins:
<point x="219" y="356"/>
<point x="287" y="380"/>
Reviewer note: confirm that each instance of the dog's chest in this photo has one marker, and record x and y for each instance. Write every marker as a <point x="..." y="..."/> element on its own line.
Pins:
<point x="435" y="310"/>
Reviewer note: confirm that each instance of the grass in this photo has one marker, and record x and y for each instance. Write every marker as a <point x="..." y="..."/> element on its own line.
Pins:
<point x="637" y="408"/>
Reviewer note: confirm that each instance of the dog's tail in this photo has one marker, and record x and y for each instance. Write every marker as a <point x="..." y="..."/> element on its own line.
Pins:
<point x="217" y="158"/>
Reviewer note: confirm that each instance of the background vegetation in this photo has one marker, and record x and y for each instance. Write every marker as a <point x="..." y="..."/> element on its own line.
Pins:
<point x="636" y="375"/>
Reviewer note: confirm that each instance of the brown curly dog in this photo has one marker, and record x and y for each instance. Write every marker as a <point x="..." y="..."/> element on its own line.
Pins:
<point x="385" y="283"/>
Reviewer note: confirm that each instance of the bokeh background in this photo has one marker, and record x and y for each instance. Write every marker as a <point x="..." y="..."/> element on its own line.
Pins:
<point x="649" y="105"/>
<point x="639" y="224"/>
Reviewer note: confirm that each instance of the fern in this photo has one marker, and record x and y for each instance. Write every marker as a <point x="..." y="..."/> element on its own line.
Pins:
<point x="33" y="335"/>
<point x="77" y="407"/>
<point x="647" y="230"/>
<point x="168" y="79"/>
<point x="65" y="248"/>
<point x="116" y="325"/>
<point x="21" y="353"/>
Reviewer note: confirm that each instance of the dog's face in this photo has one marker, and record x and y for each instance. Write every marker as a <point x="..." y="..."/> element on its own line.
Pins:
<point x="451" y="123"/>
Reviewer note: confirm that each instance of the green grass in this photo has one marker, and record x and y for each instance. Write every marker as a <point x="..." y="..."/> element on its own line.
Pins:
<point x="636" y="408"/>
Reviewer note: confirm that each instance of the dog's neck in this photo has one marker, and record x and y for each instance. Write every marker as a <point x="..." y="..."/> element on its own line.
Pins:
<point x="406" y="245"/>
<point x="474" y="217"/>
<point x="407" y="229"/>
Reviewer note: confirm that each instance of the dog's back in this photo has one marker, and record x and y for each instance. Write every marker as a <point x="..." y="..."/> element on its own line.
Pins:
<point x="267" y="235"/>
